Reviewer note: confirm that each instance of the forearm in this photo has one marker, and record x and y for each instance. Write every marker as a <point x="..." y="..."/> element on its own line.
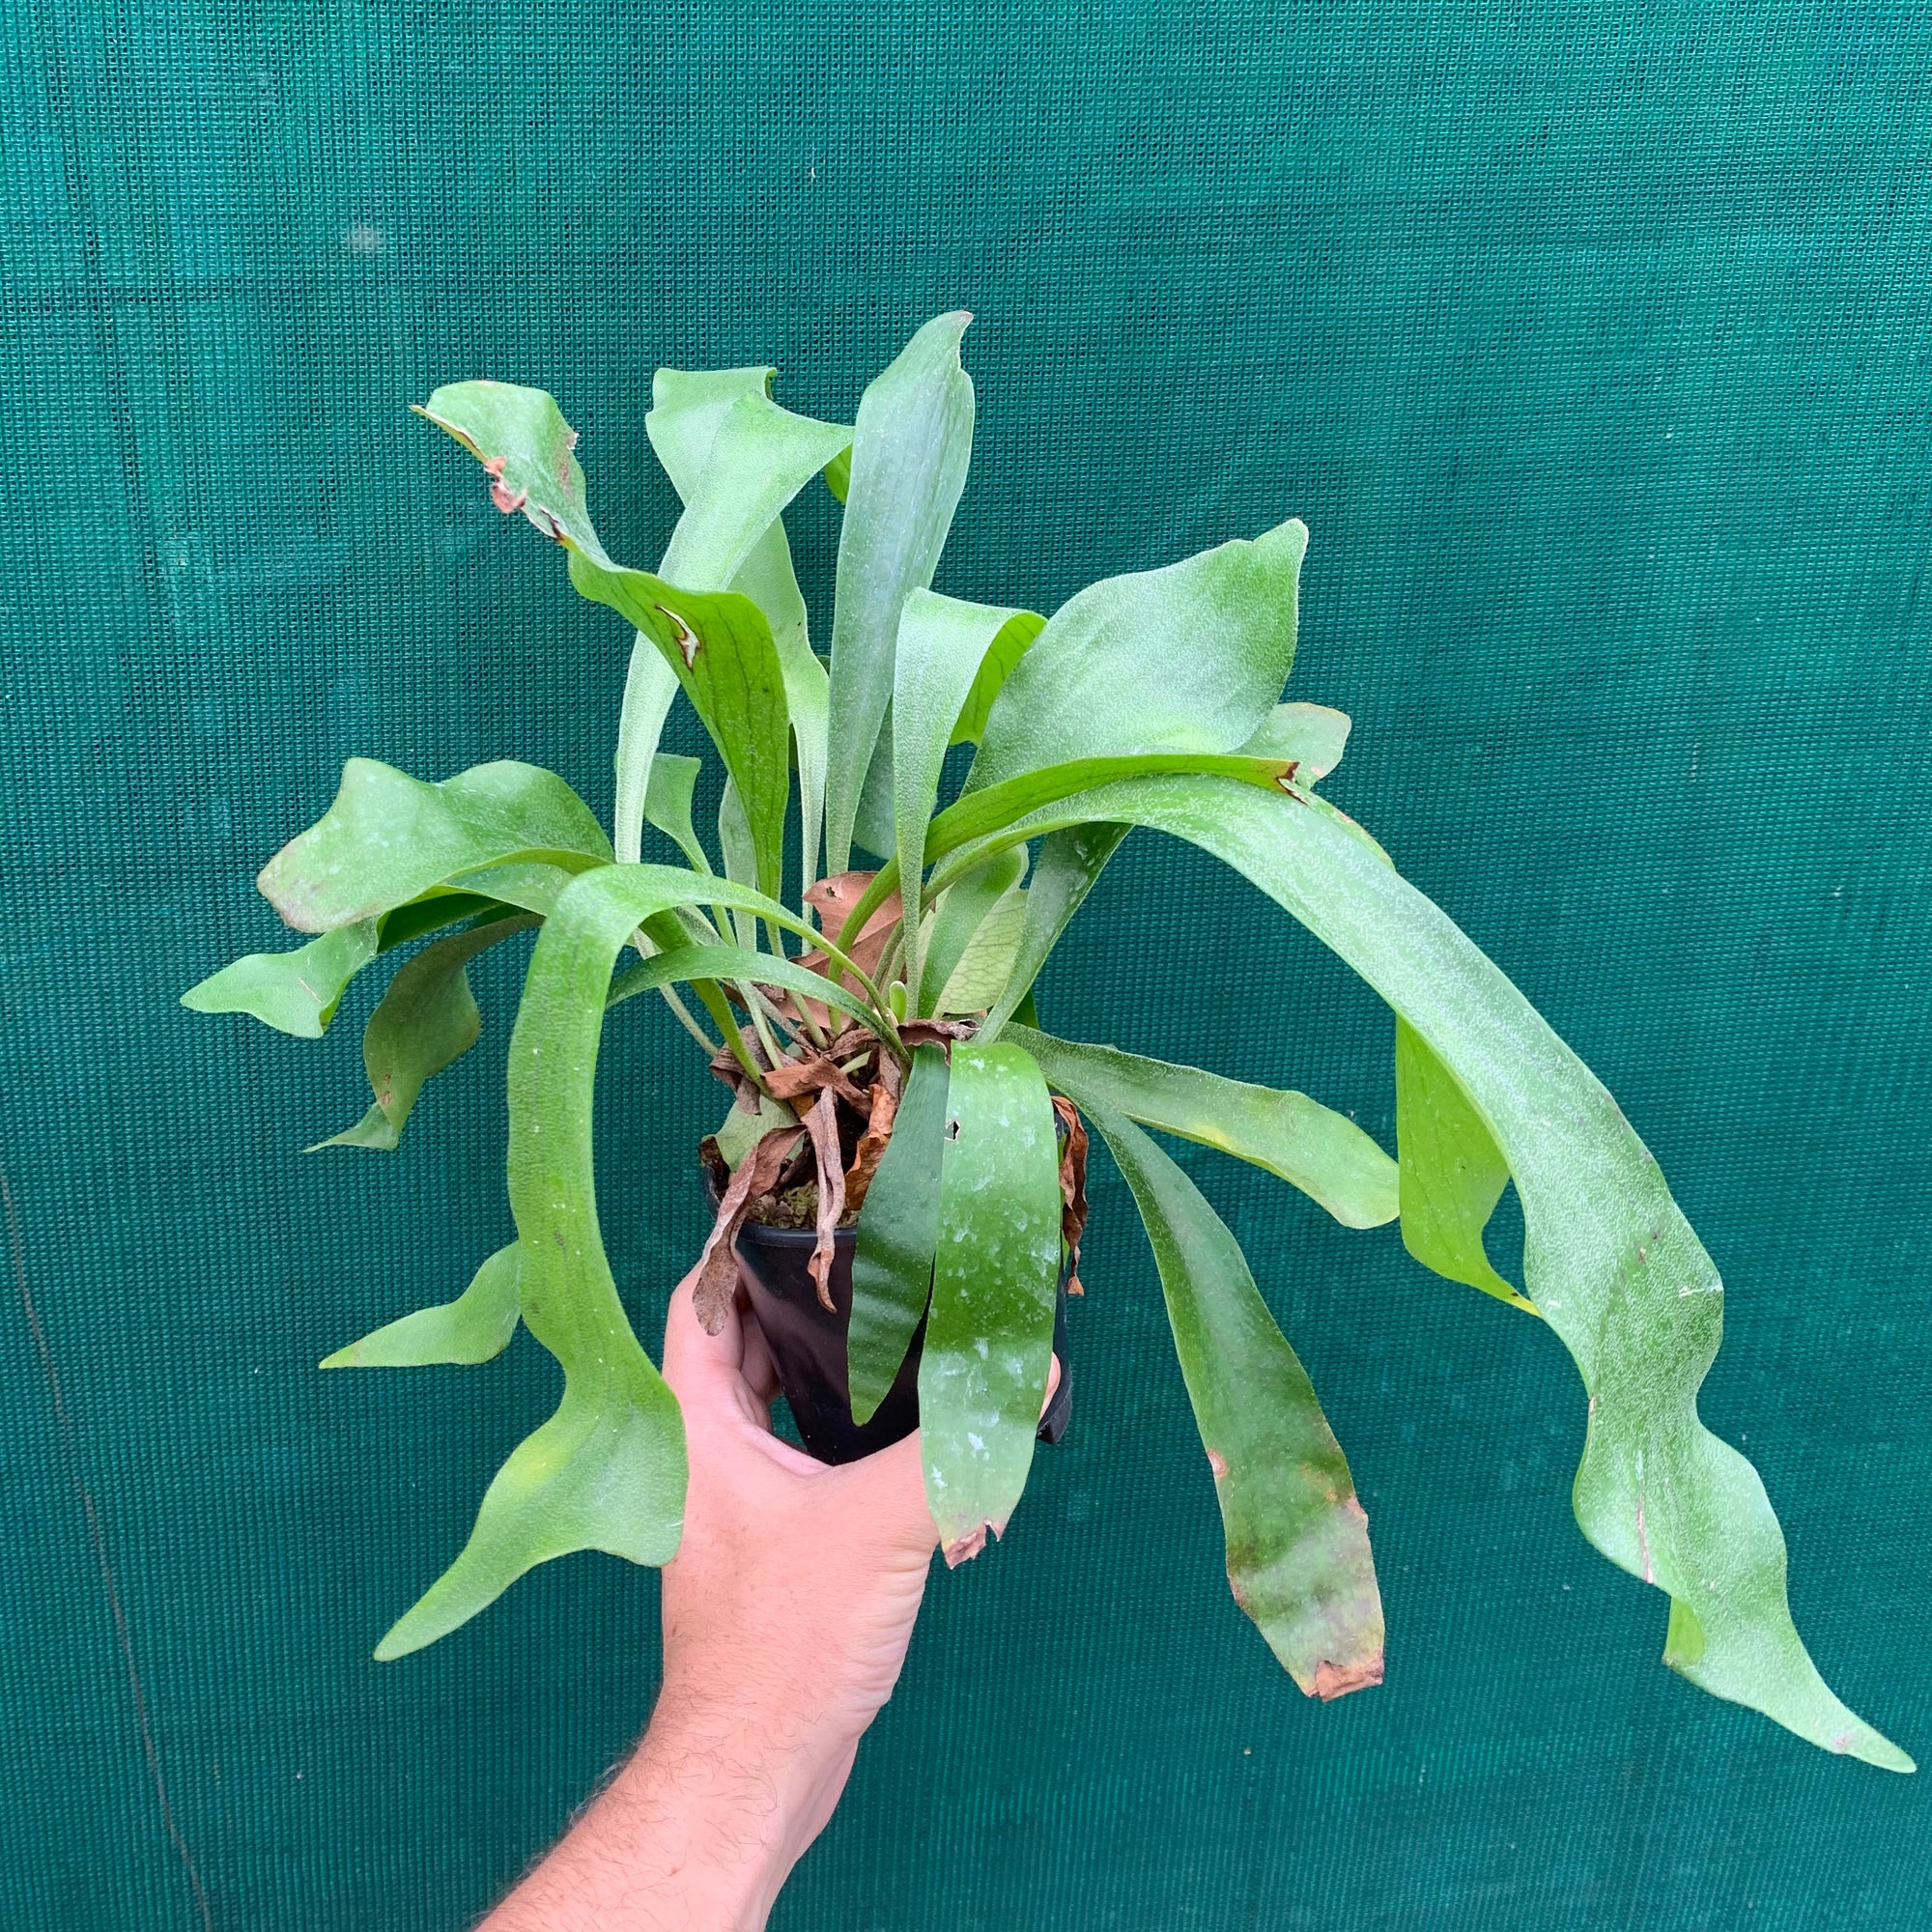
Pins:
<point x="697" y="1833"/>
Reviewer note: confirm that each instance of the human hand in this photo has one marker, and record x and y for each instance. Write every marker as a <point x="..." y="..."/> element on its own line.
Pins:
<point x="786" y="1614"/>
<point x="791" y="1600"/>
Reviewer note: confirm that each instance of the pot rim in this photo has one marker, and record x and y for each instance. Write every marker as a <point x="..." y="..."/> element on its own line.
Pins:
<point x="792" y="1238"/>
<point x="777" y="1238"/>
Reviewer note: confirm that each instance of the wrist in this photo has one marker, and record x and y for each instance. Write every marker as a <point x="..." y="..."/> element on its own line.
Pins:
<point x="729" y="1791"/>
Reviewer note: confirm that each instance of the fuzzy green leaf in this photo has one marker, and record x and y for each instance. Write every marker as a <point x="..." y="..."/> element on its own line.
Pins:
<point x="942" y="645"/>
<point x="389" y="839"/>
<point x="1453" y="1173"/>
<point x="527" y="450"/>
<point x="426" y="1021"/>
<point x="649" y="685"/>
<point x="1013" y="802"/>
<point x="739" y="853"/>
<point x="1299" y="1557"/>
<point x="1069" y="864"/>
<point x="961" y="915"/>
<point x="1011" y="643"/>
<point x="807" y="691"/>
<point x="721" y="648"/>
<point x="476" y="1327"/>
<point x="668" y="804"/>
<point x="1307" y="1145"/>
<point x="743" y="1128"/>
<point x="1189" y="658"/>
<point x="733" y="454"/>
<point x="687" y="408"/>
<point x="758" y="459"/>
<point x="873" y="830"/>
<point x="1311" y="734"/>
<point x="1608" y="1259"/>
<point x="899" y="1228"/>
<point x="910" y="449"/>
<point x="294" y="992"/>
<point x="607" y="1471"/>
<point x="986" y="963"/>
<point x="989" y="1337"/>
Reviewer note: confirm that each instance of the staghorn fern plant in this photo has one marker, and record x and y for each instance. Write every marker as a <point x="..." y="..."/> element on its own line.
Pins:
<point x="887" y="1061"/>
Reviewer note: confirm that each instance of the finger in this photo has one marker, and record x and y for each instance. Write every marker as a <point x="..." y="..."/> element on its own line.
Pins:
<point x="754" y="1363"/>
<point x="700" y="1366"/>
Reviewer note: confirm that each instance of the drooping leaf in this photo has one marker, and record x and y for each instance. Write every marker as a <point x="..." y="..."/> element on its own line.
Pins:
<point x="532" y="885"/>
<point x="1188" y="657"/>
<point x="299" y="992"/>
<point x="1311" y="1146"/>
<point x="1311" y="734"/>
<point x="1299" y="1557"/>
<point x="476" y="1327"/>
<point x="718" y="644"/>
<point x="668" y="804"/>
<point x="1015" y="801"/>
<point x="426" y="1021"/>
<point x="1070" y="862"/>
<point x="1453" y="1173"/>
<point x="910" y="449"/>
<point x="389" y="839"/>
<point x="1609" y="1260"/>
<point x="607" y="1471"/>
<point x="649" y="687"/>
<point x="989" y="1336"/>
<point x="987" y="822"/>
<point x="898" y="1226"/>
<point x="942" y="645"/>
<point x="294" y="992"/>
<point x="961" y="912"/>
<point x="417" y="918"/>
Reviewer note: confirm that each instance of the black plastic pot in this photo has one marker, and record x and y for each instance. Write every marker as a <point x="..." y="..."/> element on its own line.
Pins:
<point x="807" y="1345"/>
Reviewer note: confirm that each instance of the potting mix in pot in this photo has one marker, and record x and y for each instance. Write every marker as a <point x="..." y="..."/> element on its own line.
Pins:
<point x="901" y="1167"/>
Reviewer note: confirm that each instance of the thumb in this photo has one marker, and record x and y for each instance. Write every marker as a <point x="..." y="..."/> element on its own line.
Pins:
<point x="698" y="1365"/>
<point x="892" y="1479"/>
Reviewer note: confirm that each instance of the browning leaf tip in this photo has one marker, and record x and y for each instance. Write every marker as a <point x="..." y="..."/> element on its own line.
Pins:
<point x="1337" y="1680"/>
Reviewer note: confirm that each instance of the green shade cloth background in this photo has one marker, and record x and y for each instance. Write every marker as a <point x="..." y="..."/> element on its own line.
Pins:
<point x="1591" y="342"/>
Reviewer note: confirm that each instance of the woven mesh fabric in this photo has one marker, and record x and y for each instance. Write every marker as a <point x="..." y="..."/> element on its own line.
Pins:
<point x="1591" y="340"/>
